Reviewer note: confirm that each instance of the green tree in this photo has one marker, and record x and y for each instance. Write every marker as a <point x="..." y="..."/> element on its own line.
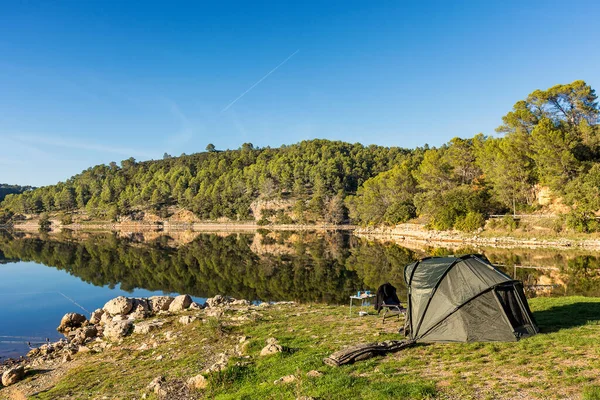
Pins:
<point x="508" y="167"/>
<point x="553" y="150"/>
<point x="44" y="223"/>
<point x="386" y="198"/>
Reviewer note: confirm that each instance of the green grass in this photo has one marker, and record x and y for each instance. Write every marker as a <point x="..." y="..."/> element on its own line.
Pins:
<point x="561" y="362"/>
<point x="591" y="393"/>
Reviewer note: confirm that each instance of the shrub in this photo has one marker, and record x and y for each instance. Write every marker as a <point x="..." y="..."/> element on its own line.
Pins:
<point x="263" y="221"/>
<point x="558" y="224"/>
<point x="399" y="212"/>
<point x="5" y="216"/>
<point x="283" y="218"/>
<point x="268" y="212"/>
<point x="229" y="376"/>
<point x="44" y="223"/>
<point x="510" y="222"/>
<point x="444" y="219"/>
<point x="112" y="214"/>
<point x="493" y="223"/>
<point x="581" y="222"/>
<point x="470" y="222"/>
<point x="65" y="219"/>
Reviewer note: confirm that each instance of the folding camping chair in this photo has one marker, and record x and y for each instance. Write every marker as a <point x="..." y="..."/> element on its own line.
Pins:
<point x="387" y="300"/>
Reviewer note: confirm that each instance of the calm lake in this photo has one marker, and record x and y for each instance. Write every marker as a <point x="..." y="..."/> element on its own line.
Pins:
<point x="42" y="278"/>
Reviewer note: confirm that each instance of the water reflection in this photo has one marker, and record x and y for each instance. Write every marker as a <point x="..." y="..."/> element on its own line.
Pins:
<point x="308" y="266"/>
<point x="544" y="272"/>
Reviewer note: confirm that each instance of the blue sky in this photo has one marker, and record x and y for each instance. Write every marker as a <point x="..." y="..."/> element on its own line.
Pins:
<point x="84" y="83"/>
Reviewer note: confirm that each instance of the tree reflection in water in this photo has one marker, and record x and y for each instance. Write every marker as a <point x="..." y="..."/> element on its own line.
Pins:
<point x="306" y="267"/>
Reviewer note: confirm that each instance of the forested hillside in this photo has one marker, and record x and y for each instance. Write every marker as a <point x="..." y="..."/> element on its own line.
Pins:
<point x="315" y="174"/>
<point x="6" y="189"/>
<point x="551" y="139"/>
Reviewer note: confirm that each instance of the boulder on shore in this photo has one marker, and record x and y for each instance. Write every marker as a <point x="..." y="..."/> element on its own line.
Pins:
<point x="117" y="329"/>
<point x="70" y="322"/>
<point x="140" y="309"/>
<point x="180" y="303"/>
<point x="96" y="316"/>
<point x="82" y="334"/>
<point x="218" y="301"/>
<point x="13" y="375"/>
<point x="147" y="326"/>
<point x="159" y="303"/>
<point x="118" y="306"/>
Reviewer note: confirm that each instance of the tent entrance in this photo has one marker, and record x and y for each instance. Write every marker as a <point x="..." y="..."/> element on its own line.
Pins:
<point x="510" y="296"/>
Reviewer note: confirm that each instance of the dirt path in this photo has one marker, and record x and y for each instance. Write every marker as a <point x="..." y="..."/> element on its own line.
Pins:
<point x="40" y="379"/>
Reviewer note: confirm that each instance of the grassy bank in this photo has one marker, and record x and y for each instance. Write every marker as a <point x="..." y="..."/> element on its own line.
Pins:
<point x="562" y="362"/>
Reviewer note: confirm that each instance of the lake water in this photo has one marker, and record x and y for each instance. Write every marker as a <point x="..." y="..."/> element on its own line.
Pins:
<point x="42" y="278"/>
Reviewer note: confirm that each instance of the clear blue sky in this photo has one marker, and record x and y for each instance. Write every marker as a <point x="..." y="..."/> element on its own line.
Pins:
<point x="84" y="83"/>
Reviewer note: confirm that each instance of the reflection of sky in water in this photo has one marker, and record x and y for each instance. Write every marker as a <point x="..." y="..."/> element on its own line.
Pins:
<point x="32" y="304"/>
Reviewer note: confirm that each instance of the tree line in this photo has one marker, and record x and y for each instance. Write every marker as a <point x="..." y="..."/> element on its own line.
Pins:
<point x="316" y="174"/>
<point x="6" y="189"/>
<point x="550" y="139"/>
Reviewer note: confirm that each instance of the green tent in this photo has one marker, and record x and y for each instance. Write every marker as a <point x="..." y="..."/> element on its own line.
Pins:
<point x="465" y="299"/>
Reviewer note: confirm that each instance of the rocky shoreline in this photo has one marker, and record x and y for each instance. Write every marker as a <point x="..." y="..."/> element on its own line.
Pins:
<point x="416" y="234"/>
<point x="123" y="316"/>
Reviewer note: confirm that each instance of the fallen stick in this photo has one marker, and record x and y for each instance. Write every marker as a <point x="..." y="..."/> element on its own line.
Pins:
<point x="365" y="351"/>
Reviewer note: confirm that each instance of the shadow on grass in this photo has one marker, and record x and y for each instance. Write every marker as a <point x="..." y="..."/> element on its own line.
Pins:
<point x="567" y="316"/>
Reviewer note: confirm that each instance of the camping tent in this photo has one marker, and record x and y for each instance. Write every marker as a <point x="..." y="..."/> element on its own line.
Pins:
<point x="465" y="299"/>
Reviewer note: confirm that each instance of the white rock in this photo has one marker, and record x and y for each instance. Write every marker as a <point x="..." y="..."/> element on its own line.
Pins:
<point x="13" y="375"/>
<point x="285" y="379"/>
<point x="148" y="326"/>
<point x="180" y="303"/>
<point x="245" y="303"/>
<point x="105" y="319"/>
<point x="159" y="303"/>
<point x="70" y="322"/>
<point x="158" y="386"/>
<point x="187" y="319"/>
<point x="271" y="349"/>
<point x="117" y="329"/>
<point x="197" y="382"/>
<point x="272" y="340"/>
<point x="140" y="309"/>
<point x="118" y="306"/>
<point x="214" y="312"/>
<point x="218" y="301"/>
<point x="96" y="316"/>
